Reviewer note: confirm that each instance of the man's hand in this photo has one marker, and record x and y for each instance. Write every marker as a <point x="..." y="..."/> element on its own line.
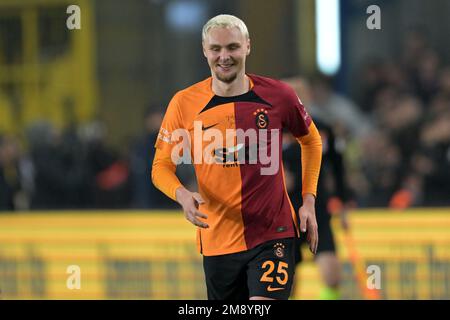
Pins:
<point x="308" y="221"/>
<point x="190" y="201"/>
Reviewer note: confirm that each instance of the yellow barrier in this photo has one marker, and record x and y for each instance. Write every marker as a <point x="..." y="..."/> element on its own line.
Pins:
<point x="152" y="255"/>
<point x="411" y="248"/>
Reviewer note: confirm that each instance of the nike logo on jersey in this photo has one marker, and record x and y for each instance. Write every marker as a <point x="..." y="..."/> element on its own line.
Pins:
<point x="235" y="148"/>
<point x="208" y="127"/>
<point x="269" y="288"/>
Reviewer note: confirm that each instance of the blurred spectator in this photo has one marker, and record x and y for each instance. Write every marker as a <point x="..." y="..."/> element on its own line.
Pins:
<point x="59" y="173"/>
<point x="380" y="164"/>
<point x="10" y="174"/>
<point x="75" y="169"/>
<point x="401" y="122"/>
<point x="16" y="175"/>
<point x="414" y="46"/>
<point x="426" y="78"/>
<point x="407" y="160"/>
<point x="337" y="111"/>
<point x="444" y="82"/>
<point x="371" y="83"/>
<point x="432" y="160"/>
<point x="107" y="172"/>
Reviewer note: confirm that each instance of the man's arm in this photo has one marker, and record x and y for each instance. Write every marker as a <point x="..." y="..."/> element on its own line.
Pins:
<point x="165" y="179"/>
<point x="311" y="145"/>
<point x="163" y="168"/>
<point x="341" y="200"/>
<point x="163" y="174"/>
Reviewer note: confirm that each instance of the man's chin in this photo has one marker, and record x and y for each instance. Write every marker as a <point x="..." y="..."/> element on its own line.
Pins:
<point x="226" y="78"/>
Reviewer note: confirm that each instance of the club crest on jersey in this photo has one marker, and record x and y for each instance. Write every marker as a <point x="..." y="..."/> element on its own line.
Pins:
<point x="279" y="250"/>
<point x="262" y="119"/>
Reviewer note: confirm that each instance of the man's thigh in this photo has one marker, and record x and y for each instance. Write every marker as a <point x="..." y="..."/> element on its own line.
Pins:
<point x="226" y="277"/>
<point x="271" y="272"/>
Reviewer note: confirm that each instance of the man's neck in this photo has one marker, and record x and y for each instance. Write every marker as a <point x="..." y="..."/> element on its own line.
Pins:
<point x="239" y="86"/>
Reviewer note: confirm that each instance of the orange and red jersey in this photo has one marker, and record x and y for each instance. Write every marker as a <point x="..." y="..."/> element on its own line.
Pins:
<point x="244" y="207"/>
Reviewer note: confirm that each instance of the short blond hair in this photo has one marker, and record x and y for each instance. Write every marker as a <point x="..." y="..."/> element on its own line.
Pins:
<point x="225" y="21"/>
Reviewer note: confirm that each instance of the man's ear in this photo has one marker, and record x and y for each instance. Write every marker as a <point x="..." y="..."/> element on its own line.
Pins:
<point x="248" y="47"/>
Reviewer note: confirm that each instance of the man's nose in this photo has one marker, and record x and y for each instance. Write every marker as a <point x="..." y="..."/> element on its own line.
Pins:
<point x="224" y="55"/>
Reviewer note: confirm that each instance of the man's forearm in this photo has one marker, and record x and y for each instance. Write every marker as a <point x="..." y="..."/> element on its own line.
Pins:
<point x="163" y="175"/>
<point x="311" y="145"/>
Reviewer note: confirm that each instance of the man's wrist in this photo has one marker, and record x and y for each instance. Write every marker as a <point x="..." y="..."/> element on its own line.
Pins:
<point x="179" y="193"/>
<point x="309" y="198"/>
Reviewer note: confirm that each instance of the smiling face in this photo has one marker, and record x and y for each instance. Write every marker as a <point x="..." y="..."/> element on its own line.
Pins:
<point x="226" y="50"/>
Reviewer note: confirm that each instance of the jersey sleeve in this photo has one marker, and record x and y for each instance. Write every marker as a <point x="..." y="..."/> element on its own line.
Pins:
<point x="172" y="121"/>
<point x="311" y="145"/>
<point x="295" y="117"/>
<point x="163" y="169"/>
<point x="163" y="174"/>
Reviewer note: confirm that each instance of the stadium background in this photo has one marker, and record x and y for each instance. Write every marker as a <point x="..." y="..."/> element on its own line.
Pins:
<point x="78" y="111"/>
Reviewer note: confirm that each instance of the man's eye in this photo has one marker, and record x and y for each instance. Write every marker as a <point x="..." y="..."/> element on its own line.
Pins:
<point x="215" y="49"/>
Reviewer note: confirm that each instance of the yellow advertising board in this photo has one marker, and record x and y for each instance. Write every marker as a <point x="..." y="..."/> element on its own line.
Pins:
<point x="152" y="255"/>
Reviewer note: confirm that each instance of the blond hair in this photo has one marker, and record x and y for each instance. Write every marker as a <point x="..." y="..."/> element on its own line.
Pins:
<point x="225" y="21"/>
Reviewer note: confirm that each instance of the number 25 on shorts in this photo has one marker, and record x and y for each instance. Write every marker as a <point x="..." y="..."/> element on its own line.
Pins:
<point x="281" y="275"/>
